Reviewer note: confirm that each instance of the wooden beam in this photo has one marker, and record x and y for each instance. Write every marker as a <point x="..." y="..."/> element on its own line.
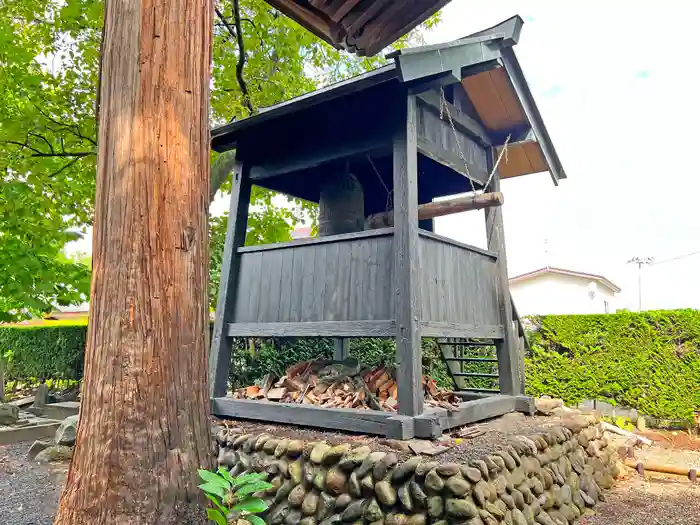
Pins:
<point x="407" y="281"/>
<point x="435" y="209"/>
<point x="315" y="155"/>
<point x="452" y="161"/>
<point x="377" y="43"/>
<point x="314" y="329"/>
<point x="468" y="247"/>
<point x="341" y="237"/>
<point x="220" y="349"/>
<point x="428" y="424"/>
<point x="350" y="419"/>
<point x="439" y="329"/>
<point x="507" y="348"/>
<point x="524" y="404"/>
<point x="426" y="61"/>
<point x="527" y="101"/>
<point x="478" y="410"/>
<point x="462" y="122"/>
<point x="313" y="21"/>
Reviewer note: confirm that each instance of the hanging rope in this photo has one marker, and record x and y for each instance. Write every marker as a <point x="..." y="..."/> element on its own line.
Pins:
<point x="389" y="203"/>
<point x="445" y="109"/>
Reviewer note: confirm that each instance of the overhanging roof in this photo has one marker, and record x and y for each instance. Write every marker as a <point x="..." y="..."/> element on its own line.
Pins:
<point x="561" y="271"/>
<point x="488" y="70"/>
<point x="364" y="27"/>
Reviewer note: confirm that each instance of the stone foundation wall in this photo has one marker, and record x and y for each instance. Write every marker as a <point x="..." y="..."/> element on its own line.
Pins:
<point x="547" y="478"/>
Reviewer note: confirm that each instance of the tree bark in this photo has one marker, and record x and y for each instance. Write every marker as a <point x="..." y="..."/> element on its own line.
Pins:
<point x="144" y="428"/>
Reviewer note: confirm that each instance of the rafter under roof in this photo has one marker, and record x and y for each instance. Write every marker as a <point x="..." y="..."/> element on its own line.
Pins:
<point x="364" y="27"/>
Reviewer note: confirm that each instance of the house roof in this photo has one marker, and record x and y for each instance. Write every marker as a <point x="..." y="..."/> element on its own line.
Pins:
<point x="561" y="271"/>
<point x="364" y="27"/>
<point x="490" y="74"/>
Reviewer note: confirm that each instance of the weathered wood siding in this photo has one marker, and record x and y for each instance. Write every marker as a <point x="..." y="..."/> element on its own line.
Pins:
<point x="337" y="278"/>
<point x="436" y="138"/>
<point x="458" y="282"/>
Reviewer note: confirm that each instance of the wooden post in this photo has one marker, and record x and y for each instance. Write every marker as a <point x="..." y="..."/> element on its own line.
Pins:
<point x="220" y="351"/>
<point x="340" y="348"/>
<point x="407" y="284"/>
<point x="507" y="349"/>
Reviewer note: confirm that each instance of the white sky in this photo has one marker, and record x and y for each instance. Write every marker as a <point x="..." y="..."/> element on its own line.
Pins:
<point x="615" y="83"/>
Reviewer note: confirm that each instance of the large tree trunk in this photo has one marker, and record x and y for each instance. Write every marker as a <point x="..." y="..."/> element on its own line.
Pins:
<point x="144" y="426"/>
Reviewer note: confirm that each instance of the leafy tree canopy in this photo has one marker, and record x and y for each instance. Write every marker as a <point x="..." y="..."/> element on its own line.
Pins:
<point x="49" y="70"/>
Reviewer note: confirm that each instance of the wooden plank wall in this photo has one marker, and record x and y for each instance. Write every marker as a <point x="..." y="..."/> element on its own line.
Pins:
<point x="458" y="282"/>
<point x="346" y="279"/>
<point x="437" y="139"/>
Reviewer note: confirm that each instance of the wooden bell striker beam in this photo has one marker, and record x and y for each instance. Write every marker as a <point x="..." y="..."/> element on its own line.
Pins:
<point x="432" y="210"/>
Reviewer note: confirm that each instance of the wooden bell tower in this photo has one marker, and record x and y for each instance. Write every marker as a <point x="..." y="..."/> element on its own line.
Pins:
<point x="375" y="151"/>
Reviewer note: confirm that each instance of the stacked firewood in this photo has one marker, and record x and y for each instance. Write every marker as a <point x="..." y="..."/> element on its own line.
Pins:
<point x="346" y="384"/>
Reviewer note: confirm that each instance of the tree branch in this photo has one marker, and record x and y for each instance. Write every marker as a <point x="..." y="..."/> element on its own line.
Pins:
<point x="241" y="58"/>
<point x="68" y="154"/>
<point x="32" y="134"/>
<point x="73" y="128"/>
<point x="224" y="22"/>
<point x="68" y="165"/>
<point x="237" y="33"/>
<point x="220" y="170"/>
<point x="23" y="145"/>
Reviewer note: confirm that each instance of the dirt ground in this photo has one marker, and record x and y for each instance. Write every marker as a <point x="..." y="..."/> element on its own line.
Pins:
<point x="654" y="501"/>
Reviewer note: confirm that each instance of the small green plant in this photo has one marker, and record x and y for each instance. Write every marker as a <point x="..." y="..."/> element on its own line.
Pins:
<point x="234" y="498"/>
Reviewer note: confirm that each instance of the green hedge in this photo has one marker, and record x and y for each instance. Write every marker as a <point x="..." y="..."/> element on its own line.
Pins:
<point x="43" y="352"/>
<point x="57" y="352"/>
<point x="649" y="361"/>
<point x="276" y="355"/>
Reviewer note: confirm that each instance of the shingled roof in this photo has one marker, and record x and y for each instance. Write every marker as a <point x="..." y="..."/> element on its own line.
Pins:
<point x="364" y="27"/>
<point x="503" y="105"/>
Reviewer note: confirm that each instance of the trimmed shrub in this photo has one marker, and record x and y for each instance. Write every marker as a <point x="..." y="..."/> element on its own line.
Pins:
<point x="649" y="361"/>
<point x="54" y="351"/>
<point x="251" y="363"/>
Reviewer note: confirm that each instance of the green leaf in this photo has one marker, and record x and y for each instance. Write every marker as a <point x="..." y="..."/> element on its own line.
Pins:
<point x="224" y="473"/>
<point x="216" y="502"/>
<point x="253" y="487"/>
<point x="248" y="478"/>
<point x="216" y="516"/>
<point x="252" y="506"/>
<point x="216" y="479"/>
<point x="255" y="520"/>
<point x="213" y="488"/>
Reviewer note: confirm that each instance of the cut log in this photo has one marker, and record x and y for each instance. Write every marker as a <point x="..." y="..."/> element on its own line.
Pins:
<point x="345" y="384"/>
<point x="621" y="432"/>
<point x="640" y="467"/>
<point x="432" y="210"/>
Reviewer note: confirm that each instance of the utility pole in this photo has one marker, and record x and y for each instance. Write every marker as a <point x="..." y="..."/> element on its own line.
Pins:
<point x="640" y="261"/>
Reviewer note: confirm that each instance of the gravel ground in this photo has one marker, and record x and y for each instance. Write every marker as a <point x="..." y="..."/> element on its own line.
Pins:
<point x="660" y="501"/>
<point x="496" y="434"/>
<point x="29" y="492"/>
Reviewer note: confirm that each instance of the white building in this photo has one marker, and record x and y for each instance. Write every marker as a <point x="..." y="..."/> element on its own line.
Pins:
<point x="549" y="291"/>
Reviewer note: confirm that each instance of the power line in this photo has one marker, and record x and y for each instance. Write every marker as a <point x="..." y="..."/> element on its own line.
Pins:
<point x="675" y="258"/>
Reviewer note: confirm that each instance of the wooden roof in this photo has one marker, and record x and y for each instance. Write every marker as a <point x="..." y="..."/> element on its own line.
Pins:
<point x="501" y="105"/>
<point x="364" y="27"/>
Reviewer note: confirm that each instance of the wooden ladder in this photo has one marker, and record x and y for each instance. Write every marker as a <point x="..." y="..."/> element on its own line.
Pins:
<point x="472" y="363"/>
